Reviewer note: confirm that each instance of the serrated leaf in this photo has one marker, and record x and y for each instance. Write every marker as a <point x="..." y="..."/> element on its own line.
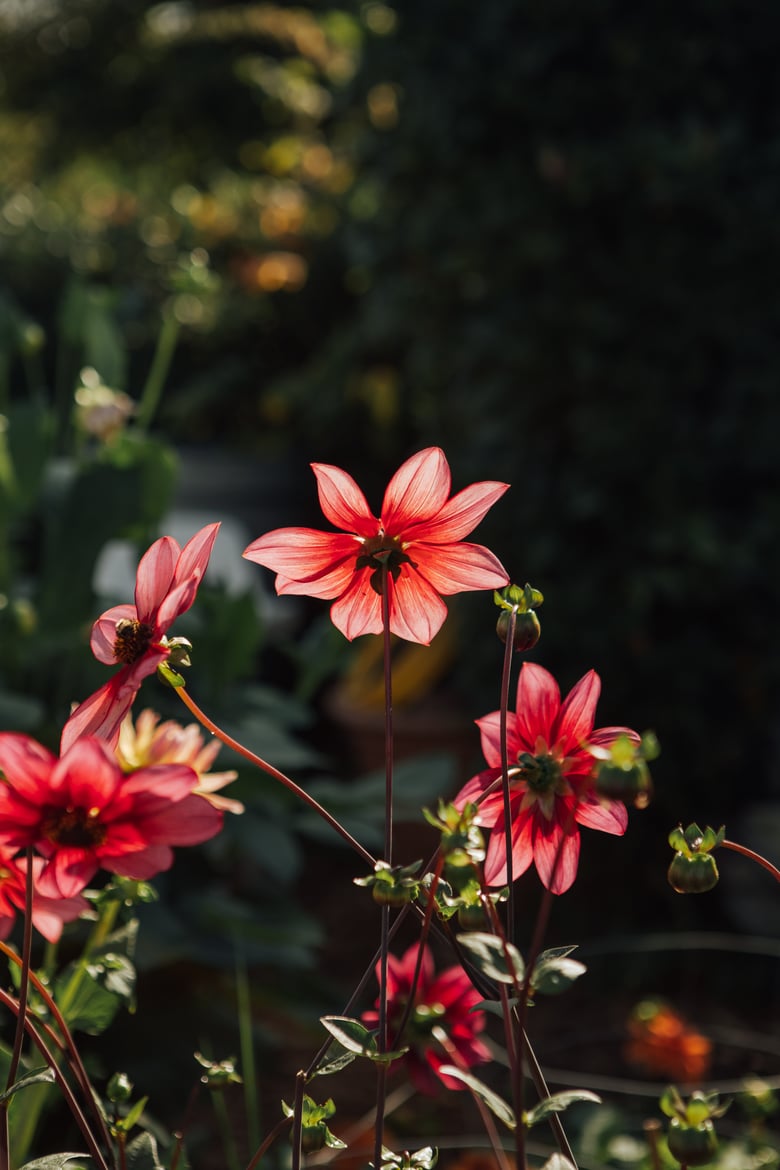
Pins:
<point x="38" y="1076"/>
<point x="557" y="1103"/>
<point x="495" y="958"/>
<point x="141" y="1154"/>
<point x="497" y="1105"/>
<point x="54" y="1161"/>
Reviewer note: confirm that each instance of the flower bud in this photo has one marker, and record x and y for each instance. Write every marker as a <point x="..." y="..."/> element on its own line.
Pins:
<point x="693" y="875"/>
<point x="692" y="1145"/>
<point x="526" y="632"/>
<point x="119" y="1089"/>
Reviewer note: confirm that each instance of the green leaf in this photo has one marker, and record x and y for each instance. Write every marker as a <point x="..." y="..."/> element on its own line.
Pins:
<point x="556" y="1104"/>
<point x="38" y="1076"/>
<point x="335" y="1059"/>
<point x="552" y="976"/>
<point x="141" y="1154"/>
<point x="497" y="1105"/>
<point x="351" y="1034"/>
<point x="54" y="1161"/>
<point x="495" y="958"/>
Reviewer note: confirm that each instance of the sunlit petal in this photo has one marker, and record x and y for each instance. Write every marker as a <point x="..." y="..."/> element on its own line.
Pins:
<point x="155" y="577"/>
<point x="359" y="610"/>
<point x="578" y="712"/>
<point x="461" y="514"/>
<point x="538" y="704"/>
<point x="417" y="491"/>
<point x="416" y="610"/>
<point x="453" y="568"/>
<point x="342" y="501"/>
<point x="103" y="637"/>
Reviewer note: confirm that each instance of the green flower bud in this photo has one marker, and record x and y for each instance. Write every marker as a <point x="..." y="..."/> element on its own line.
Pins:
<point x="119" y="1089"/>
<point x="692" y="1145"/>
<point x="526" y="632"/>
<point x="693" y="875"/>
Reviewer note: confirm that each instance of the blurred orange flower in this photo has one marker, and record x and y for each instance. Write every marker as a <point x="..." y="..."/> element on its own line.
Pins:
<point x="662" y="1043"/>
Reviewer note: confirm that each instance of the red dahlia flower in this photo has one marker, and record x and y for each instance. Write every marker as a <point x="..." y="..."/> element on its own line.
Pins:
<point x="82" y="814"/>
<point x="49" y="914"/>
<point x="133" y="636"/>
<point x="442" y="1004"/>
<point x="550" y="779"/>
<point x="417" y="537"/>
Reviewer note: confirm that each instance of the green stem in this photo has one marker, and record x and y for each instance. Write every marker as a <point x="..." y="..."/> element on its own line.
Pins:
<point x="270" y="770"/>
<point x="246" y="1041"/>
<point x="225" y="1130"/>
<point x="158" y="371"/>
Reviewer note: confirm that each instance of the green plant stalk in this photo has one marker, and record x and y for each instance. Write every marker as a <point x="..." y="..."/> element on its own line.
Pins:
<point x="158" y="371"/>
<point x="505" y="790"/>
<point x="225" y="1130"/>
<point x="297" y="1120"/>
<point x="248" y="1066"/>
<point x="28" y="1124"/>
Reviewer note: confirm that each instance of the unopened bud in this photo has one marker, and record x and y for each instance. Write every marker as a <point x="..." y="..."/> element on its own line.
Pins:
<point x="526" y="632"/>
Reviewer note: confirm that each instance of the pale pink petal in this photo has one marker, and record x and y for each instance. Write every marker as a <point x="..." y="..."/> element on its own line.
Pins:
<point x="25" y="764"/>
<point x="461" y="514"/>
<point x="304" y="554"/>
<point x="610" y="816"/>
<point x="472" y="791"/>
<point x="194" y="557"/>
<point x="102" y="712"/>
<point x="359" y="610"/>
<point x="328" y="586"/>
<point x="578" y="712"/>
<point x="155" y="577"/>
<point x="606" y="736"/>
<point x="417" y="612"/>
<point x="187" y="822"/>
<point x="453" y="568"/>
<point x="490" y="732"/>
<point x="159" y="786"/>
<point x="103" y="636"/>
<point x="175" y="603"/>
<point x="538" y="704"/>
<point x="342" y="501"/>
<point x="417" y="491"/>
<point x="50" y="914"/>
<point x="556" y="853"/>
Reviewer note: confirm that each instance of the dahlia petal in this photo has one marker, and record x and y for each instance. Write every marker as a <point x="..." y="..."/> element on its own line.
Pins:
<point x="578" y="712"/>
<point x="359" y="610"/>
<point x="103" y="635"/>
<point x="342" y="501"/>
<point x="461" y="514"/>
<point x="417" y="491"/>
<point x="87" y="774"/>
<point x="159" y="786"/>
<point x="304" y="554"/>
<point x="538" y="704"/>
<point x="176" y="602"/>
<point x="490" y="733"/>
<point x="453" y="568"/>
<point x="186" y="822"/>
<point x="194" y="557"/>
<point x="606" y="736"/>
<point x="329" y="586"/>
<point x="417" y="612"/>
<point x="609" y="816"/>
<point x="67" y="873"/>
<point x="556" y="853"/>
<point x="154" y="577"/>
<point x="50" y="914"/>
<point x="522" y="850"/>
<point x="25" y="764"/>
<point x="142" y="865"/>
<point x="102" y="713"/>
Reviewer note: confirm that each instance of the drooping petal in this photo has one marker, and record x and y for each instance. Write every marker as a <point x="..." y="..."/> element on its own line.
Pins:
<point x="102" y="712"/>
<point x="606" y="736"/>
<point x="453" y="568"/>
<point x="461" y="514"/>
<point x="50" y="914"/>
<point x="556" y="851"/>
<point x="304" y="554"/>
<point x="522" y="850"/>
<point x="142" y="865"/>
<point x="538" y="704"/>
<point x="359" y="610"/>
<point x="187" y="822"/>
<point x="490" y="732"/>
<point x="610" y="816"/>
<point x="342" y="501"/>
<point x="417" y="491"/>
<point x="103" y="638"/>
<point x="176" y="602"/>
<point x="194" y="557"/>
<point x="328" y="586"/>
<point x="417" y="612"/>
<point x="578" y="712"/>
<point x="67" y="872"/>
<point x="154" y="577"/>
<point x="472" y="791"/>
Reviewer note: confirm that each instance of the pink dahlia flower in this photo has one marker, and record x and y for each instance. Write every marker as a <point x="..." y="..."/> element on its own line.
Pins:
<point x="133" y="636"/>
<point x="81" y="813"/>
<point x="418" y="537"/>
<point x="550" y="778"/>
<point x="442" y="1004"/>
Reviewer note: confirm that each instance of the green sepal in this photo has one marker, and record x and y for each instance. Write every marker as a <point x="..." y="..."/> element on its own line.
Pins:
<point x="125" y="1124"/>
<point x="521" y="599"/>
<point x="314" y="1132"/>
<point x="423" y="1159"/>
<point x="495" y="958"/>
<point x="556" y="1103"/>
<point x="37" y="1076"/>
<point x="169" y="676"/>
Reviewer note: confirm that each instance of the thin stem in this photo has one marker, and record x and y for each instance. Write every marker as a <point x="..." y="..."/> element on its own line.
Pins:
<point x="297" y="1120"/>
<point x="24" y="983"/>
<point x="258" y="762"/>
<point x="775" y="872"/>
<point x="225" y="1129"/>
<point x="276" y="1132"/>
<point x="382" y="1038"/>
<point x="161" y="361"/>
<point x="505" y="790"/>
<point x="246" y="1042"/>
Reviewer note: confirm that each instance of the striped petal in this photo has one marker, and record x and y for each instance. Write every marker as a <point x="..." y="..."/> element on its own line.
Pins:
<point x="578" y="713"/>
<point x="538" y="704"/>
<point x="304" y="554"/>
<point x="453" y="568"/>
<point x="417" y="612"/>
<point x="461" y="514"/>
<point x="417" y="491"/>
<point x="154" y="577"/>
<point x="342" y="501"/>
